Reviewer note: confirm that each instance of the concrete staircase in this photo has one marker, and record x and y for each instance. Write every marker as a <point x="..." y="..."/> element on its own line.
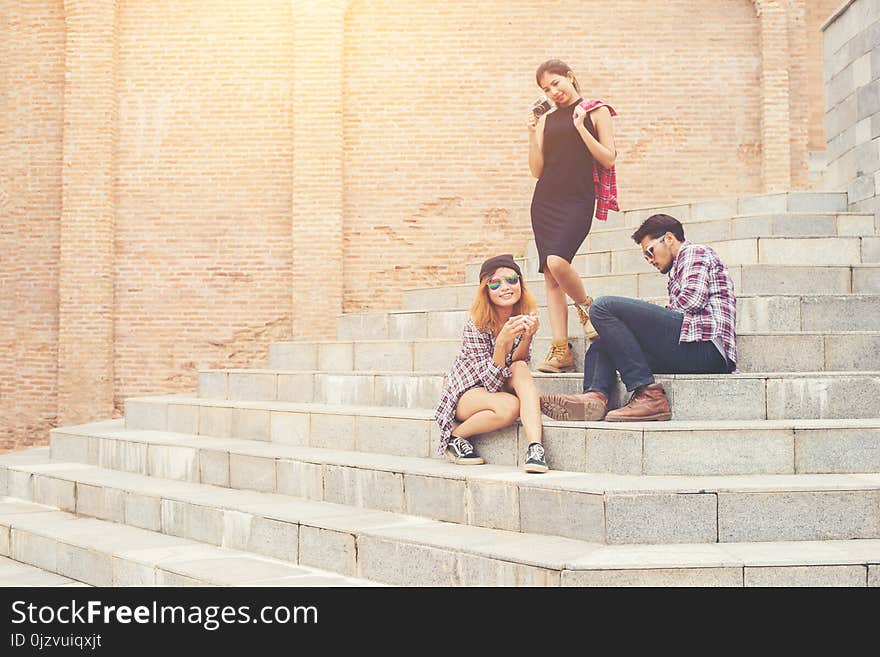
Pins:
<point x="320" y="469"/>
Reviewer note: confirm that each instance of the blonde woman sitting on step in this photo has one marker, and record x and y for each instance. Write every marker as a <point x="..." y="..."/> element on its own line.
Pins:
<point x="490" y="386"/>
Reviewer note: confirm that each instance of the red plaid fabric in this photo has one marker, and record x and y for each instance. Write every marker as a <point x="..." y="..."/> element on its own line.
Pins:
<point x="604" y="180"/>
<point x="473" y="367"/>
<point x="700" y="287"/>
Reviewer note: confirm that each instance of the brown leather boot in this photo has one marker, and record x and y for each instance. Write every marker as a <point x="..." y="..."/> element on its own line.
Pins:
<point x="559" y="359"/>
<point x="583" y="311"/>
<point x="647" y="403"/>
<point x="588" y="407"/>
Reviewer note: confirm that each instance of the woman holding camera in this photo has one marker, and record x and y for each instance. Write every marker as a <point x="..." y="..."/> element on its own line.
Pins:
<point x="490" y="386"/>
<point x="564" y="144"/>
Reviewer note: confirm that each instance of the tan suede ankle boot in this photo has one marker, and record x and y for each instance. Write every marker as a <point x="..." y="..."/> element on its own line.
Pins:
<point x="559" y="359"/>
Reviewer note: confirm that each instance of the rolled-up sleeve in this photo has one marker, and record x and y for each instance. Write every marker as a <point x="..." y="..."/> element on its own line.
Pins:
<point x="477" y="348"/>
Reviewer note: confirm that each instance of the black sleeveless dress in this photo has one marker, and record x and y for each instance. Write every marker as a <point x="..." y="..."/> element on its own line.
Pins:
<point x="564" y="198"/>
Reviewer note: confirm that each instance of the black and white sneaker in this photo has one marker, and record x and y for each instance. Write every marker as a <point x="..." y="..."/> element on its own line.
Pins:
<point x="535" y="458"/>
<point x="461" y="452"/>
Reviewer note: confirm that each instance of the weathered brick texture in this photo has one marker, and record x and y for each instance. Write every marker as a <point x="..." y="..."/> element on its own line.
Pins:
<point x="232" y="173"/>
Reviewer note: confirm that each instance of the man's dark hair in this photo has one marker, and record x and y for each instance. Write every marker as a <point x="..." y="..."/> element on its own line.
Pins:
<point x="658" y="225"/>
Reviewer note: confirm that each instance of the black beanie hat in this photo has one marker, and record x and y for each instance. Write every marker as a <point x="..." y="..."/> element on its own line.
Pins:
<point x="503" y="260"/>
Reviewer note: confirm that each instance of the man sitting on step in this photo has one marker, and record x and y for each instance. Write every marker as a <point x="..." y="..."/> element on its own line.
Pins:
<point x="694" y="334"/>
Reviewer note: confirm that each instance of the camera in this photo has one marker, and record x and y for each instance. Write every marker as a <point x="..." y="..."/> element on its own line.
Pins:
<point x="541" y="106"/>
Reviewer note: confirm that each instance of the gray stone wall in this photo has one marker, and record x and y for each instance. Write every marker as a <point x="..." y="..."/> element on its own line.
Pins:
<point x="852" y="102"/>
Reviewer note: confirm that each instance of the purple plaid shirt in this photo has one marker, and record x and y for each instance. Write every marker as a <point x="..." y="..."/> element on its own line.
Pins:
<point x="700" y="287"/>
<point x="473" y="367"/>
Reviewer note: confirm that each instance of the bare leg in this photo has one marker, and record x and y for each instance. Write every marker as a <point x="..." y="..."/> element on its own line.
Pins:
<point x="522" y="383"/>
<point x="567" y="278"/>
<point x="483" y="411"/>
<point x="557" y="307"/>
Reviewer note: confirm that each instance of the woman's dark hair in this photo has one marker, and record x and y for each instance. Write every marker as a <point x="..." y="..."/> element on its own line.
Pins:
<point x="658" y="225"/>
<point x="556" y="66"/>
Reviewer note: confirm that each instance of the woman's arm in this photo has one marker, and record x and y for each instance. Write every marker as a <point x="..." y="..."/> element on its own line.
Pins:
<point x="524" y="349"/>
<point x="602" y="150"/>
<point x="536" y="144"/>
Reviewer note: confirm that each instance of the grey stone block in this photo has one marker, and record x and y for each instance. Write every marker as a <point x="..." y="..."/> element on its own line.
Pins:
<point x="874" y="576"/>
<point x="255" y="386"/>
<point x="407" y="391"/>
<point x="335" y="357"/>
<point x="199" y="523"/>
<point x="212" y="385"/>
<point x="332" y="431"/>
<point x="214" y="467"/>
<point x="296" y="387"/>
<point x="392" y="356"/>
<point x="35" y="550"/>
<point x="168" y="462"/>
<point x="55" y="492"/>
<point x="251" y="424"/>
<point x="794" y="280"/>
<point x="362" y="326"/>
<point x="68" y="447"/>
<point x="405" y="564"/>
<point x="816" y="202"/>
<point x="871" y="250"/>
<point x="183" y="418"/>
<point x="866" y="281"/>
<point x="99" y="502"/>
<point x="724" y="398"/>
<point x="272" y="538"/>
<point x="655" y="577"/>
<point x="719" y="452"/>
<point x="252" y="472"/>
<point x="869" y="99"/>
<point x="705" y="210"/>
<point x="447" y="324"/>
<point x="493" y="504"/>
<point x="327" y="549"/>
<point x="366" y="489"/>
<point x="131" y="573"/>
<point x="839" y="118"/>
<point x="661" y="518"/>
<point x="439" y="498"/>
<point x="852" y="352"/>
<point x="293" y="356"/>
<point x="408" y="326"/>
<point x="143" y="511"/>
<point x="344" y="389"/>
<point x="763" y="204"/>
<point x="839" y="87"/>
<point x="123" y="455"/>
<point x="861" y="188"/>
<point x="563" y="513"/>
<point x="564" y="448"/>
<point x="215" y="421"/>
<point x="849" y="313"/>
<point x="498" y="447"/>
<point x="168" y="578"/>
<point x="779" y="353"/>
<point x="768" y="314"/>
<point x="146" y="415"/>
<point x="837" y="450"/>
<point x="613" y="451"/>
<point x="806" y="576"/>
<point x="481" y="571"/>
<point x="290" y="428"/>
<point x="818" y="251"/>
<point x="798" y="516"/>
<point x="300" y="479"/>
<point x="805" y="398"/>
<point x="84" y="565"/>
<point x="435" y="356"/>
<point x="20" y="484"/>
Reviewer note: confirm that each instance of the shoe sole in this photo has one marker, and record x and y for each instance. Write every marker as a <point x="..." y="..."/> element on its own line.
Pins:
<point x="462" y="461"/>
<point x="549" y="369"/>
<point x="574" y="411"/>
<point x="659" y="417"/>
<point x="536" y="469"/>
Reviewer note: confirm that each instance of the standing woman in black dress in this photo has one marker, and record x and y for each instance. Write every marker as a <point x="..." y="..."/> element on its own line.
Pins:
<point x="563" y="144"/>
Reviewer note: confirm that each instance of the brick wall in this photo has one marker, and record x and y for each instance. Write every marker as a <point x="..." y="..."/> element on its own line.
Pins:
<point x="272" y="163"/>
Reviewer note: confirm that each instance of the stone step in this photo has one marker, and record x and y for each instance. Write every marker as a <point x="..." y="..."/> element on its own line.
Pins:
<point x="627" y="258"/>
<point x="758" y="352"/>
<point x="780" y="395"/>
<point x="73" y="548"/>
<point x="604" y="239"/>
<point x="406" y="550"/>
<point x="17" y="574"/>
<point x="591" y="507"/>
<point x="769" y="313"/>
<point x="748" y="280"/>
<point x="695" y="447"/>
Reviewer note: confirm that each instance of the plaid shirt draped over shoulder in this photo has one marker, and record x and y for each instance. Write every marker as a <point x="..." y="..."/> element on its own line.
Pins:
<point x="473" y="367"/>
<point x="700" y="286"/>
<point x="604" y="180"/>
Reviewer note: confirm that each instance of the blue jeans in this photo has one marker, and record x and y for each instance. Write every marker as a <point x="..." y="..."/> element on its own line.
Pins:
<point x="639" y="339"/>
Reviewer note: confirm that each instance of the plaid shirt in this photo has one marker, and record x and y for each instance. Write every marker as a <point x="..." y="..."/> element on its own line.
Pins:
<point x="474" y="366"/>
<point x="604" y="180"/>
<point x="700" y="287"/>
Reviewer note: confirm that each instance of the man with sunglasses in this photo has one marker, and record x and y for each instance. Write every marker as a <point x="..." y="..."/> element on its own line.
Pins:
<point x="694" y="334"/>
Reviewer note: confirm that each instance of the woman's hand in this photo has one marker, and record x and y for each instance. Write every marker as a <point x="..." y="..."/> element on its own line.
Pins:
<point x="579" y="115"/>
<point x="532" y="122"/>
<point x="512" y="328"/>
<point x="532" y="324"/>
